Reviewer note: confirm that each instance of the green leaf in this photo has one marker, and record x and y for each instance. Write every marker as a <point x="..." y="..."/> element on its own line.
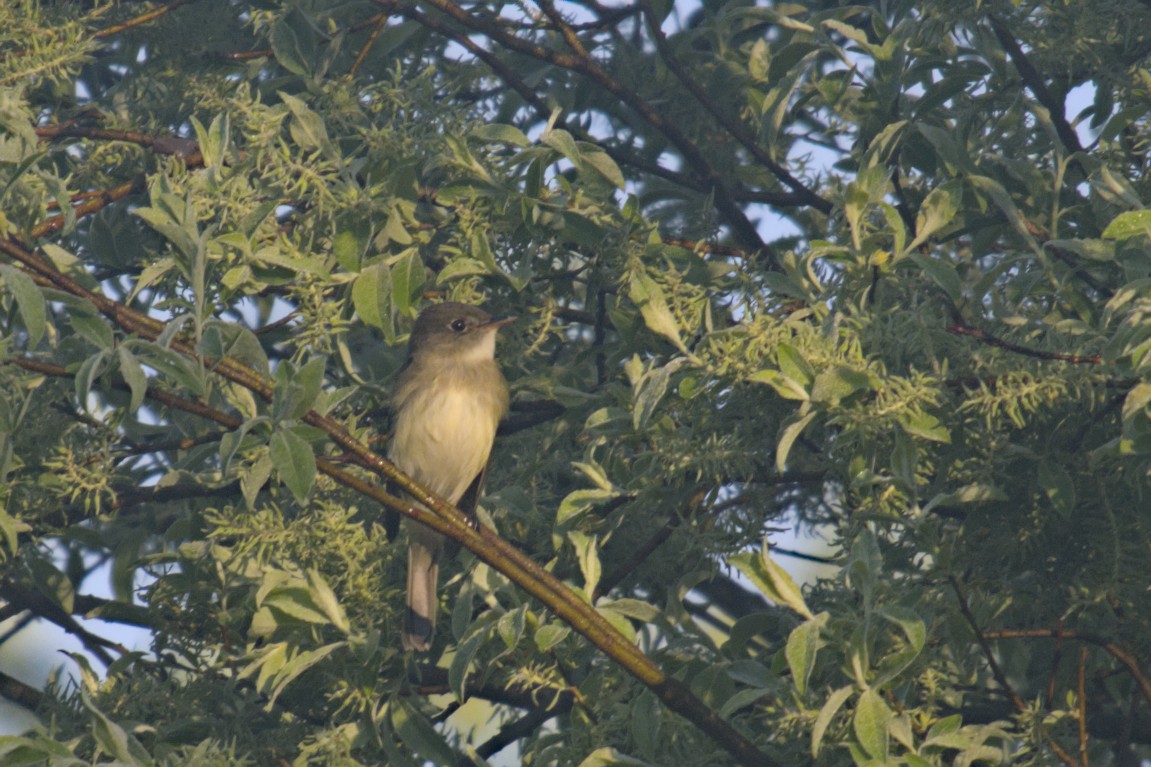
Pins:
<point x="499" y="133"/>
<point x="29" y="301"/>
<point x="134" y="376"/>
<point x="510" y="626"/>
<point x="10" y="529"/>
<point x="937" y="211"/>
<point x="786" y="387"/>
<point x="297" y="665"/>
<point x="372" y="296"/>
<point x="307" y="127"/>
<point x="925" y="426"/>
<point x="90" y="370"/>
<point x="610" y="757"/>
<point x="914" y="632"/>
<point x="793" y="365"/>
<point x="150" y="274"/>
<point x="646" y="723"/>
<point x="1094" y="250"/>
<point x="1002" y="199"/>
<point x="228" y="339"/>
<point x="837" y="383"/>
<point x="942" y="273"/>
<point x="295" y="461"/>
<point x="652" y="302"/>
<point x="549" y="635"/>
<point x="297" y="390"/>
<point x="1132" y="223"/>
<point x="598" y="160"/>
<point x="788" y="437"/>
<point x="295" y="603"/>
<point x="1136" y="401"/>
<point x="326" y="600"/>
<point x="113" y="740"/>
<point x="830" y="708"/>
<point x="290" y="52"/>
<point x="460" y="268"/>
<point x="418" y="734"/>
<point x="183" y="237"/>
<point x="742" y="699"/>
<point x="650" y="389"/>
<point x="775" y="582"/>
<point x="254" y="478"/>
<point x="91" y="326"/>
<point x="802" y="647"/>
<point x="635" y="608"/>
<point x="563" y="142"/>
<point x="579" y="502"/>
<point x="408" y="275"/>
<point x="463" y="661"/>
<point x="870" y="722"/>
<point x="975" y="492"/>
<point x="587" y="554"/>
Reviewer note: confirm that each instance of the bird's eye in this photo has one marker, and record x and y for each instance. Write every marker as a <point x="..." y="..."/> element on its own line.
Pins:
<point x="458" y="325"/>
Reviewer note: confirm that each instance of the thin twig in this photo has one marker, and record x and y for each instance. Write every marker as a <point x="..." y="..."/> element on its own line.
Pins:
<point x="1082" y="706"/>
<point x="1000" y="678"/>
<point x="736" y="129"/>
<point x="963" y="329"/>
<point x="141" y="19"/>
<point x="1125" y="657"/>
<point x="587" y="66"/>
<point x="379" y="21"/>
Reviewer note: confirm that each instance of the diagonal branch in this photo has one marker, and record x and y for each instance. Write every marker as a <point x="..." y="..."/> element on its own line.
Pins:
<point x="1125" y="657"/>
<point x="586" y="65"/>
<point x="1035" y="83"/>
<point x="996" y="671"/>
<point x="963" y="329"/>
<point x="143" y="18"/>
<point x="737" y="130"/>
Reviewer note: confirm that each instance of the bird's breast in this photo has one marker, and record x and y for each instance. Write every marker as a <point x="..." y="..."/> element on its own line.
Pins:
<point x="444" y="428"/>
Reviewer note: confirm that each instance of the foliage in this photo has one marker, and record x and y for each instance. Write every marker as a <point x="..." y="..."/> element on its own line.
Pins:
<point x="859" y="269"/>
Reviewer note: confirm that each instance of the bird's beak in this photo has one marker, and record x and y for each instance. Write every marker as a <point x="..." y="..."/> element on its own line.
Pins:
<point x="498" y="322"/>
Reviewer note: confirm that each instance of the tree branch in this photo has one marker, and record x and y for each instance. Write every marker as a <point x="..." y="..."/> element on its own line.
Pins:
<point x="22" y="694"/>
<point x="427" y="509"/>
<point x="997" y="671"/>
<point x="734" y="216"/>
<point x="732" y="126"/>
<point x="1035" y="83"/>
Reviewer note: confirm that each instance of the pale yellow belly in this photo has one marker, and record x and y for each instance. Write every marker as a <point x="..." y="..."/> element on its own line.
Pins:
<point x="442" y="439"/>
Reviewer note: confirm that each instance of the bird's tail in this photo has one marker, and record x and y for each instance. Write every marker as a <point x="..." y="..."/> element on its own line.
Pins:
<point x="423" y="572"/>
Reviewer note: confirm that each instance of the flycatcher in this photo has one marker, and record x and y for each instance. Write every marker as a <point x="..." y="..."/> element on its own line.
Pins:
<point x="449" y="399"/>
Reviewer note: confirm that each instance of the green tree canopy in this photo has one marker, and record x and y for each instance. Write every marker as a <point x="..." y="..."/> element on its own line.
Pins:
<point x="859" y="269"/>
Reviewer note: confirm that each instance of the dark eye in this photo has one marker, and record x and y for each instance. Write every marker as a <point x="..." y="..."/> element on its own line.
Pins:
<point x="459" y="326"/>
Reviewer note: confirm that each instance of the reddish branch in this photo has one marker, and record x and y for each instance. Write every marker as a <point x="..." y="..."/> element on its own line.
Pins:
<point x="143" y="18"/>
<point x="1122" y="655"/>
<point x="379" y="22"/>
<point x="94" y="201"/>
<point x="963" y="329"/>
<point x="996" y="671"/>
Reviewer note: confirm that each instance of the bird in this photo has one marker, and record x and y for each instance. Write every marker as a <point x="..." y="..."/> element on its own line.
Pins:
<point x="447" y="403"/>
